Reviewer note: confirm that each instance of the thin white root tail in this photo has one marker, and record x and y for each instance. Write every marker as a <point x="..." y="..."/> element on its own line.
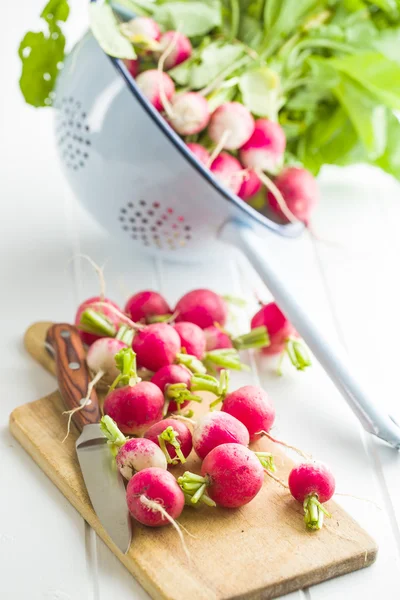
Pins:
<point x="218" y="148"/>
<point x="160" y="68"/>
<point x="281" y="443"/>
<point x="275" y="478"/>
<point x="184" y="419"/>
<point x="269" y="184"/>
<point x="360" y="498"/>
<point x="156" y="506"/>
<point x="99" y="270"/>
<point x="85" y="402"/>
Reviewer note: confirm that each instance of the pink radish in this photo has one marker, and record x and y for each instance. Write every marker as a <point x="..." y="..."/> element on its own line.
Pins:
<point x="174" y="439"/>
<point x="265" y="148"/>
<point x="312" y="484"/>
<point x="141" y="31"/>
<point x="251" y="185"/>
<point x="101" y="357"/>
<point x="231" y="475"/>
<point x="283" y="337"/>
<point x="192" y="338"/>
<point x="144" y="306"/>
<point x="233" y="123"/>
<point x="174" y="382"/>
<point x="217" y="338"/>
<point x="202" y="307"/>
<point x="252" y="406"/>
<point x="151" y="83"/>
<point x="200" y="152"/>
<point x="156" y="346"/>
<point x="189" y="113"/>
<point x="216" y="428"/>
<point x="181" y="48"/>
<point x="228" y="170"/>
<point x="101" y="319"/>
<point x="133" y="66"/>
<point x="138" y="454"/>
<point x="154" y="498"/>
<point x="300" y="192"/>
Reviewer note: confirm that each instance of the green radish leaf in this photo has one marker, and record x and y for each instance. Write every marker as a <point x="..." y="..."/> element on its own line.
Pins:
<point x="379" y="75"/>
<point x="55" y="10"/>
<point x="104" y="27"/>
<point x="190" y="18"/>
<point x="368" y="117"/>
<point x="390" y="159"/>
<point x="388" y="44"/>
<point x="282" y="17"/>
<point x="261" y="91"/>
<point x="250" y="31"/>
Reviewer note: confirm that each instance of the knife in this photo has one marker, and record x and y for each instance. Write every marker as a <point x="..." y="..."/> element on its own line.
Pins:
<point x="103" y="481"/>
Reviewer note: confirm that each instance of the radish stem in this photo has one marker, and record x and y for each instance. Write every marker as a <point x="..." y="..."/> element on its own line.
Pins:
<point x="314" y="512"/>
<point x="169" y="436"/>
<point x="115" y="437"/>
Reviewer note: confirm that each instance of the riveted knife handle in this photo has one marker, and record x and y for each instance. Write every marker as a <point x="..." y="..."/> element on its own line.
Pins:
<point x="72" y="373"/>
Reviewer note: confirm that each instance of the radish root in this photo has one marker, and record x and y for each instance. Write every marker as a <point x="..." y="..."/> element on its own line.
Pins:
<point x="219" y="147"/>
<point x="269" y="184"/>
<point x="99" y="270"/>
<point x="281" y="443"/>
<point x="275" y="478"/>
<point x="156" y="506"/>
<point x="160" y="68"/>
<point x="85" y="402"/>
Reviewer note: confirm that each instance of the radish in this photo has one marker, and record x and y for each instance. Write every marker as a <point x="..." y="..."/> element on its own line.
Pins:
<point x="143" y="32"/>
<point x="202" y="307"/>
<point x="136" y="406"/>
<point x="151" y="83"/>
<point x="312" y="484"/>
<point x="216" y="428"/>
<point x="189" y="113"/>
<point x="131" y="455"/>
<point x="154" y="498"/>
<point x="174" y="439"/>
<point x="231" y="474"/>
<point x="133" y="66"/>
<point x="100" y="357"/>
<point x="252" y="406"/>
<point x="156" y="345"/>
<point x="300" y="193"/>
<point x="200" y="152"/>
<point x="98" y="322"/>
<point x="217" y="338"/>
<point x="175" y="383"/>
<point x="265" y="148"/>
<point x="228" y="170"/>
<point x="192" y="338"/>
<point x="251" y="185"/>
<point x="233" y="123"/>
<point x="282" y="335"/>
<point x="146" y="306"/>
<point x="180" y="51"/>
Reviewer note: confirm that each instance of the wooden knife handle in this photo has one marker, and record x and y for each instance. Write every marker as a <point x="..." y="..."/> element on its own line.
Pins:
<point x="72" y="373"/>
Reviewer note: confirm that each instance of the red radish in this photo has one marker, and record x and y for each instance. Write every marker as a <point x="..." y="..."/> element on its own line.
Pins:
<point x="300" y="191"/>
<point x="156" y="346"/>
<point x="312" y="484"/>
<point x="216" y="428"/>
<point x="189" y="113"/>
<point x="282" y="335"/>
<point x="233" y="123"/>
<point x="202" y="307"/>
<point x="138" y="454"/>
<point x="145" y="305"/>
<point x="101" y="319"/>
<point x="101" y="357"/>
<point x="251" y="185"/>
<point x="200" y="152"/>
<point x="252" y="406"/>
<point x="154" y="498"/>
<point x="135" y="408"/>
<point x="217" y="338"/>
<point x="151" y="83"/>
<point x="133" y="66"/>
<point x="174" y="439"/>
<point x="192" y="338"/>
<point x="181" y="48"/>
<point x="228" y="170"/>
<point x="168" y="379"/>
<point x="142" y="30"/>
<point x="231" y="474"/>
<point x="265" y="148"/>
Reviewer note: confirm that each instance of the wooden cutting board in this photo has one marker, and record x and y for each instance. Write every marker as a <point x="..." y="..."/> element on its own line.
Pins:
<point x="259" y="551"/>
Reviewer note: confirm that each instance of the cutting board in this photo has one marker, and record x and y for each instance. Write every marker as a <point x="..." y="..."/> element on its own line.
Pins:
<point x="261" y="550"/>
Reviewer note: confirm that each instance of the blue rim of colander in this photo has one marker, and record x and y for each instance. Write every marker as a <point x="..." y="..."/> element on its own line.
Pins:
<point x="288" y="230"/>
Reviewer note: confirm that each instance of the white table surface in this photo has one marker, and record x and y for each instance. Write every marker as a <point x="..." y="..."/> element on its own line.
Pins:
<point x="47" y="551"/>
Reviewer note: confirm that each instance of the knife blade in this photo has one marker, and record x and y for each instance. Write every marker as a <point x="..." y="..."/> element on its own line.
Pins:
<point x="102" y="479"/>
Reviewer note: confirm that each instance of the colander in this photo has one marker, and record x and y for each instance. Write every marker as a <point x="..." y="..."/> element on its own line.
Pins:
<point x="139" y="180"/>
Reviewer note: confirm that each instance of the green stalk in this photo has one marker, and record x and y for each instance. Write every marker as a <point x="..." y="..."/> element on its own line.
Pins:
<point x="194" y="487"/>
<point x="179" y="393"/>
<point x="115" y="437"/>
<point x="125" y="334"/>
<point x="314" y="512"/>
<point x="96" y="323"/>
<point x="267" y="460"/>
<point x="191" y="362"/>
<point x="227" y="358"/>
<point x="256" y="338"/>
<point x="125" y="360"/>
<point x="169" y="435"/>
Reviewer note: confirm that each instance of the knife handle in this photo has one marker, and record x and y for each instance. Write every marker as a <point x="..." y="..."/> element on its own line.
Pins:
<point x="72" y="373"/>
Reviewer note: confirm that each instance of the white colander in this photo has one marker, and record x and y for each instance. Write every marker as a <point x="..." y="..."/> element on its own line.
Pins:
<point x="139" y="180"/>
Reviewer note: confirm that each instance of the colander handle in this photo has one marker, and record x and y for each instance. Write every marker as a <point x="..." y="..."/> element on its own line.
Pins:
<point x="369" y="414"/>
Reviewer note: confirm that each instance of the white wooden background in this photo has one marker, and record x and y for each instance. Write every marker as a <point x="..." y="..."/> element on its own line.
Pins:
<point x="47" y="551"/>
